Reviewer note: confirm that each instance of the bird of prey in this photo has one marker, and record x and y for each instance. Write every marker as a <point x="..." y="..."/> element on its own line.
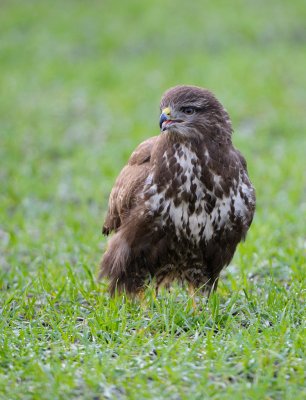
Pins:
<point x="183" y="202"/>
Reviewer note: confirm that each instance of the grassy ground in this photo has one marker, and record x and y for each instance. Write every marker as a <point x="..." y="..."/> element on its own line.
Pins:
<point x="81" y="82"/>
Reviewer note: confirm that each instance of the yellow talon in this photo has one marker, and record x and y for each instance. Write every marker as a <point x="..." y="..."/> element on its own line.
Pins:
<point x="192" y="294"/>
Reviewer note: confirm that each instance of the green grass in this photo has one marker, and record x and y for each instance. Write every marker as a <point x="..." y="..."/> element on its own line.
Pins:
<point x="81" y="82"/>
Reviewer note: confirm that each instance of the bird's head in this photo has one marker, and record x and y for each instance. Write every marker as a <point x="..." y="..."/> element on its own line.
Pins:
<point x="193" y="112"/>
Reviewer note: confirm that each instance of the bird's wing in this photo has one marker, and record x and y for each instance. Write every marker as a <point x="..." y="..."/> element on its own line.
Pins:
<point x="128" y="184"/>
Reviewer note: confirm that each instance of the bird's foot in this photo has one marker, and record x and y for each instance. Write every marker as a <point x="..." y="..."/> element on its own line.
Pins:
<point x="191" y="292"/>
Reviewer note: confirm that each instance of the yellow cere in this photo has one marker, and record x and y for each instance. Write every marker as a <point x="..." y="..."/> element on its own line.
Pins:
<point x="166" y="111"/>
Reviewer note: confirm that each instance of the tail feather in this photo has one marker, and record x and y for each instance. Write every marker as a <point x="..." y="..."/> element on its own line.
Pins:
<point x="124" y="266"/>
<point x="131" y="256"/>
<point x="116" y="256"/>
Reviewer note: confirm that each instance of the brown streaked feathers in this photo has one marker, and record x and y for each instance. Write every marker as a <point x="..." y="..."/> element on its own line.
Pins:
<point x="183" y="202"/>
<point x="123" y="195"/>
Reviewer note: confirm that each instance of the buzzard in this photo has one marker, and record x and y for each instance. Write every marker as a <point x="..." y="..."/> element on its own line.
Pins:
<point x="183" y="202"/>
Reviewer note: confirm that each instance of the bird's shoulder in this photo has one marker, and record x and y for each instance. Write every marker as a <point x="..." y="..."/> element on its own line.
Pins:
<point x="143" y="151"/>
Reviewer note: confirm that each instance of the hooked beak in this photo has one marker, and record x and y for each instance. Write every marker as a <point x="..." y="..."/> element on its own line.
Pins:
<point x="166" y="119"/>
<point x="163" y="118"/>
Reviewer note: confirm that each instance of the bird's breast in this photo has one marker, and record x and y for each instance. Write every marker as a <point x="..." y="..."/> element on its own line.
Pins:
<point x="179" y="198"/>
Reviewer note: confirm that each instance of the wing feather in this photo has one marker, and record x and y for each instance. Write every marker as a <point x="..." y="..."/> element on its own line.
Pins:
<point x="128" y="185"/>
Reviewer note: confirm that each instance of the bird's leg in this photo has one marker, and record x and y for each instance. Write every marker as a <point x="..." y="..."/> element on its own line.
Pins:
<point x="141" y="296"/>
<point x="144" y="303"/>
<point x="192" y="294"/>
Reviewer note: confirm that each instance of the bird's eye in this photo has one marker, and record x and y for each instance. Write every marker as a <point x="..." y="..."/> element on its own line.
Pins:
<point x="188" y="110"/>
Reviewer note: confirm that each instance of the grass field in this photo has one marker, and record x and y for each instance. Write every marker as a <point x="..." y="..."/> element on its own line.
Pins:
<point x="81" y="83"/>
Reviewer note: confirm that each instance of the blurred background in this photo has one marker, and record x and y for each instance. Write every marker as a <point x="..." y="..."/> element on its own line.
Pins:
<point x="80" y="88"/>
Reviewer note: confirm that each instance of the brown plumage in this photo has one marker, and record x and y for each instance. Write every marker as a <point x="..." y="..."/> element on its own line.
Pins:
<point x="182" y="203"/>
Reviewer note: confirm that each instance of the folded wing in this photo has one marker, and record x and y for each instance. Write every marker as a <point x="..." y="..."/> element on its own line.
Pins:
<point x="128" y="185"/>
